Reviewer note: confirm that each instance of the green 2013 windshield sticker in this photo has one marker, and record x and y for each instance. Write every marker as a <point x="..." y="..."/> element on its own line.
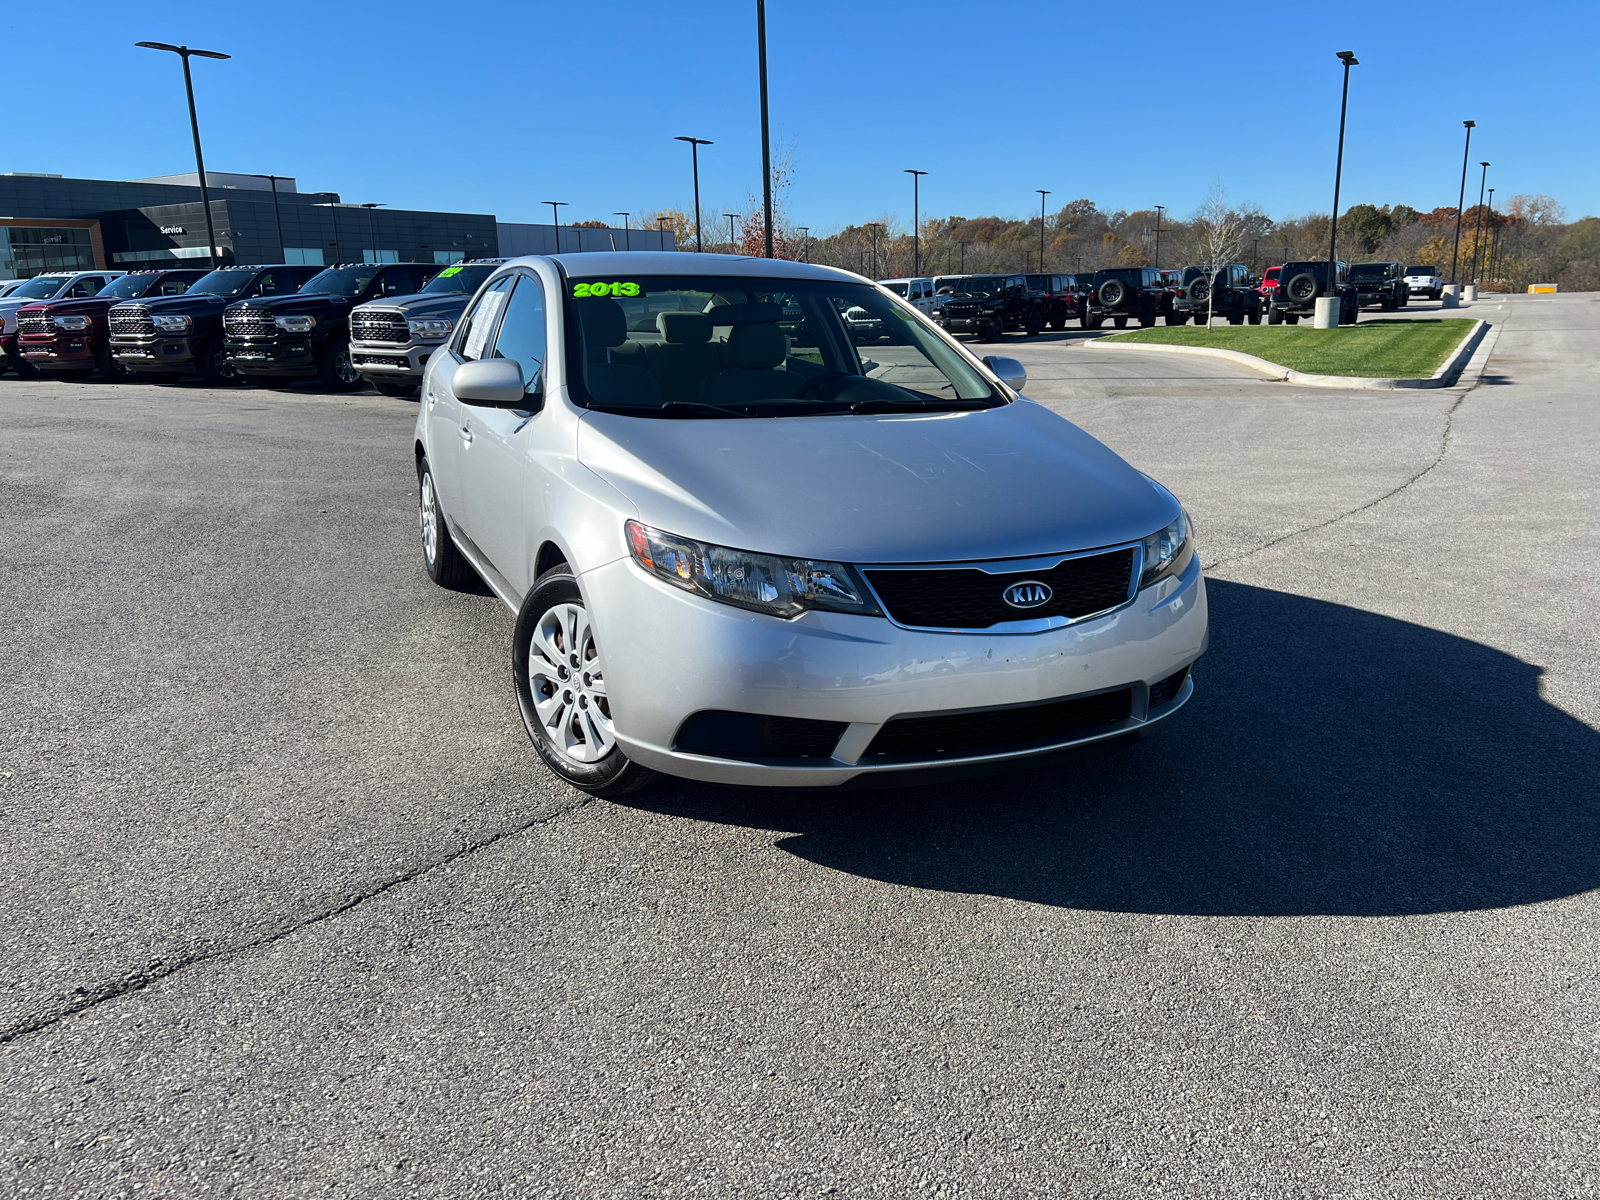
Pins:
<point x="449" y="271"/>
<point x="581" y="290"/>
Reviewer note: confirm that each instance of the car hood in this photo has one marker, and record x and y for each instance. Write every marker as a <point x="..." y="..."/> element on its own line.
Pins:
<point x="433" y="305"/>
<point x="297" y="302"/>
<point x="186" y="303"/>
<point x="1005" y="482"/>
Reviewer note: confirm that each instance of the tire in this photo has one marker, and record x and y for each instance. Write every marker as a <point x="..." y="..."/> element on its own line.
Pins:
<point x="403" y="391"/>
<point x="996" y="331"/>
<point x="1236" y="316"/>
<point x="444" y="563"/>
<point x="23" y="368"/>
<point x="1147" y="318"/>
<point x="1200" y="289"/>
<point x="216" y="370"/>
<point x="110" y="369"/>
<point x="1035" y="323"/>
<point x="1087" y="321"/>
<point x="1255" y="316"/>
<point x="1178" y="318"/>
<point x="1274" y="317"/>
<point x="1302" y="287"/>
<point x="335" y="371"/>
<point x="1120" y="322"/>
<point x="562" y="698"/>
<point x="1059" y="321"/>
<point x="1112" y="293"/>
<point x="1292" y="318"/>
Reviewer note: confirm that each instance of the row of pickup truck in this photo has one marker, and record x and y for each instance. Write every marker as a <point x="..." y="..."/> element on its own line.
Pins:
<point x="275" y="324"/>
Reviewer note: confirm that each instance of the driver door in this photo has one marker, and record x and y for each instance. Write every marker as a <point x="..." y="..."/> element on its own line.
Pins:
<point x="449" y="438"/>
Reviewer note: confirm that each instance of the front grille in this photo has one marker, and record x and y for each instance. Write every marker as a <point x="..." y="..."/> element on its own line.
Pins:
<point x="28" y="322"/>
<point x="131" y="321"/>
<point x="1167" y="690"/>
<point x="248" y="322"/>
<point x="967" y="598"/>
<point x="719" y="734"/>
<point x="994" y="730"/>
<point x="961" y="309"/>
<point x="379" y="327"/>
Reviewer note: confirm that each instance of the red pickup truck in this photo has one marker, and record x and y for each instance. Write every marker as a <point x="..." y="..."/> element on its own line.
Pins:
<point x="71" y="337"/>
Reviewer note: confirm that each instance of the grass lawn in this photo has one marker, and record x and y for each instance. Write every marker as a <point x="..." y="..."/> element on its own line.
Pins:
<point x="1381" y="349"/>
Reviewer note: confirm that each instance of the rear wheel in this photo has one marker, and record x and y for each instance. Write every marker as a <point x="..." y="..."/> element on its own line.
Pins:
<point x="1255" y="316"/>
<point x="1120" y="322"/>
<point x="1292" y="318"/>
<point x="1274" y="317"/>
<point x="443" y="562"/>
<point x="1236" y="316"/>
<point x="1177" y="318"/>
<point x="560" y="680"/>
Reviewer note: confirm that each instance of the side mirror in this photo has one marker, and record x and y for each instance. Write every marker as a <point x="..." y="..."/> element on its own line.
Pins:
<point x="491" y="383"/>
<point x="1012" y="373"/>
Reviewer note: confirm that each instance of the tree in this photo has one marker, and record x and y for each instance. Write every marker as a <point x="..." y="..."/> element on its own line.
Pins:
<point x="1537" y="209"/>
<point x="1363" y="226"/>
<point x="1220" y="235"/>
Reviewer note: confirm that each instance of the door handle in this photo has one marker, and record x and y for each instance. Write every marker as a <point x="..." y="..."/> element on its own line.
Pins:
<point x="466" y="435"/>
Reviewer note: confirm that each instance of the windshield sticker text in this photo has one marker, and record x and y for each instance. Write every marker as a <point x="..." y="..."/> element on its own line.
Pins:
<point x="581" y="290"/>
<point x="449" y="271"/>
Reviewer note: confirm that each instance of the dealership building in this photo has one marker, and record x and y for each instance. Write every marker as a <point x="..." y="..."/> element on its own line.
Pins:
<point x="55" y="224"/>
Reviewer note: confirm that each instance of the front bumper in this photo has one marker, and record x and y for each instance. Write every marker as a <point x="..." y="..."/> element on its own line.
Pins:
<point x="156" y="353"/>
<point x="972" y="323"/>
<point x="389" y="361"/>
<point x="271" y="355"/>
<point x="59" y="353"/>
<point x="669" y="654"/>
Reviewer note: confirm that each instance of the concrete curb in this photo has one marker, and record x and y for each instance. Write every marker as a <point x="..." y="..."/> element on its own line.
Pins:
<point x="1444" y="377"/>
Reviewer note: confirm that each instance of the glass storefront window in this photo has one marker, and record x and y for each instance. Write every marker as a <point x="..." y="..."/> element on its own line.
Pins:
<point x="28" y="251"/>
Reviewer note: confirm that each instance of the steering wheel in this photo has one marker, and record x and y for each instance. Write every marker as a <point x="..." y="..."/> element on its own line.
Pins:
<point x="825" y="377"/>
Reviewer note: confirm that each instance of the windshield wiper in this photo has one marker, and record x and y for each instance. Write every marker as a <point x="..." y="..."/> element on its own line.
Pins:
<point x="932" y="404"/>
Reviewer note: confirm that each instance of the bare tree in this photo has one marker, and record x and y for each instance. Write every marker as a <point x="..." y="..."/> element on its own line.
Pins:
<point x="1219" y="234"/>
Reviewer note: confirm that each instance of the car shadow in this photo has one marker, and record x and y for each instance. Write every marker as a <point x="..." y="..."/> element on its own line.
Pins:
<point x="1332" y="761"/>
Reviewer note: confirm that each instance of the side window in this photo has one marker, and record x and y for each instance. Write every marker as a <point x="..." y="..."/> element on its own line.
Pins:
<point x="522" y="332"/>
<point x="86" y="287"/>
<point x="172" y="287"/>
<point x="397" y="282"/>
<point x="479" y="324"/>
<point x="272" y="283"/>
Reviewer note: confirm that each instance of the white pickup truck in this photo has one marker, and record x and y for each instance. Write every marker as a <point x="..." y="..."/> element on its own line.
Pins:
<point x="1425" y="281"/>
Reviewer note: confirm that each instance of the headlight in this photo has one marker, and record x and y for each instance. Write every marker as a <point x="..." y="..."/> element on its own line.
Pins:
<point x="72" y="324"/>
<point x="294" y="324"/>
<point x="780" y="587"/>
<point x="431" y="329"/>
<point x="1168" y="552"/>
<point x="171" y="324"/>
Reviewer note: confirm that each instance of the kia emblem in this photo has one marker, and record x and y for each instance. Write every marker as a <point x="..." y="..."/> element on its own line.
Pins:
<point x="1030" y="593"/>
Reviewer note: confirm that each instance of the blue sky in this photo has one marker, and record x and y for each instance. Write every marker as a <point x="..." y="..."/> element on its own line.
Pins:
<point x="494" y="107"/>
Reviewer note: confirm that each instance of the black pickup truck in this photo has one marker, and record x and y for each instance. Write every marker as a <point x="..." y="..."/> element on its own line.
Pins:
<point x="164" y="340"/>
<point x="1123" y="292"/>
<point x="69" y="337"/>
<point x="278" y="340"/>
<point x="990" y="305"/>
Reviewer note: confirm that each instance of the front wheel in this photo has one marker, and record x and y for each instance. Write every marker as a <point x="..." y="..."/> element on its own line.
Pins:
<point x="335" y="371"/>
<point x="560" y="679"/>
<point x="1035" y="324"/>
<point x="110" y="369"/>
<point x="216" y="368"/>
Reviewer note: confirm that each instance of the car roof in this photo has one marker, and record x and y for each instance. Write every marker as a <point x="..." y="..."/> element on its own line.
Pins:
<point x="618" y="263"/>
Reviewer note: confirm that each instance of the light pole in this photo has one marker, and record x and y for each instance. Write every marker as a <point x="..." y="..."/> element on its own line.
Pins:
<point x="555" y="218"/>
<point x="627" y="238"/>
<point x="1494" y="236"/>
<point x="766" y="144"/>
<point x="805" y="241"/>
<point x="372" y="228"/>
<point x="1160" y="211"/>
<point x="963" y="246"/>
<point x="733" y="243"/>
<point x="1455" y="254"/>
<point x="184" y="52"/>
<point x="916" y="237"/>
<point x="694" y="155"/>
<point x="1477" y="226"/>
<point x="333" y="215"/>
<point x="661" y="229"/>
<point x="276" y="216"/>
<point x="1042" y="195"/>
<point x="1349" y="59"/>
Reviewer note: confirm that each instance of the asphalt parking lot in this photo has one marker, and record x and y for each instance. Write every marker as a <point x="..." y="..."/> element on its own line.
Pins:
<point x="290" y="908"/>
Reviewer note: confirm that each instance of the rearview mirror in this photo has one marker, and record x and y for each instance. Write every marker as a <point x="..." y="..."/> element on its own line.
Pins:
<point x="1011" y="373"/>
<point x="490" y="382"/>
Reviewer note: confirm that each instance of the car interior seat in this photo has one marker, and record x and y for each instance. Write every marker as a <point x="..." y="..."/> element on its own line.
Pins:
<point x="686" y="356"/>
<point x="603" y="327"/>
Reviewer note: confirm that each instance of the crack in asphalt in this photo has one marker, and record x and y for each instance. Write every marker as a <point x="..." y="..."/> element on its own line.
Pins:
<point x="1444" y="449"/>
<point x="135" y="981"/>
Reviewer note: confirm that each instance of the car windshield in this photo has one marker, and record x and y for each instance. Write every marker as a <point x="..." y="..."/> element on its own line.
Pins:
<point x="41" y="287"/>
<point x="460" y="278"/>
<point x="899" y="289"/>
<point x="340" y="281"/>
<point x="1422" y="270"/>
<point x="719" y="346"/>
<point x="981" y="285"/>
<point x="129" y="286"/>
<point x="1369" y="270"/>
<point x="224" y="283"/>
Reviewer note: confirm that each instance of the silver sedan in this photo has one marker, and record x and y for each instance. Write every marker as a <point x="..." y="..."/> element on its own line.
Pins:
<point x="744" y="547"/>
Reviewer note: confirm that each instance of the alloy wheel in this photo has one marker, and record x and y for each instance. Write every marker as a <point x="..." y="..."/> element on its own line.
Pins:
<point x="345" y="369"/>
<point x="568" y="684"/>
<point x="428" y="517"/>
